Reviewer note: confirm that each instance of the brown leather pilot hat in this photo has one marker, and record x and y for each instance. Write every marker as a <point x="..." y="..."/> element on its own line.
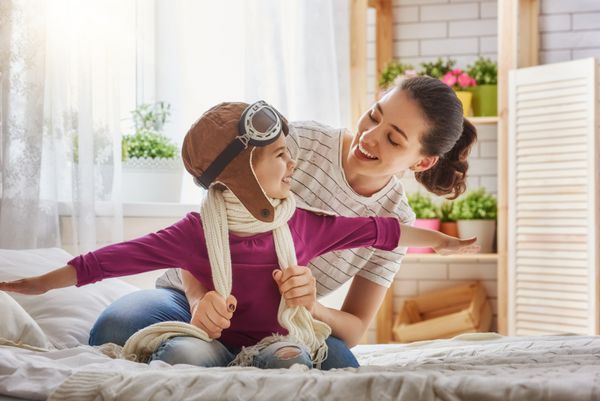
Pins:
<point x="208" y="138"/>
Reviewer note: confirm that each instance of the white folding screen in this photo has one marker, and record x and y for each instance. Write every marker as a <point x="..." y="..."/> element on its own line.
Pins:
<point x="553" y="199"/>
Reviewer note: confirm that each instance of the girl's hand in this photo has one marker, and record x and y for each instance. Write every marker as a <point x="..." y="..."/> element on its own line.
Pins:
<point x="450" y="245"/>
<point x="297" y="286"/>
<point x="27" y="286"/>
<point x="213" y="313"/>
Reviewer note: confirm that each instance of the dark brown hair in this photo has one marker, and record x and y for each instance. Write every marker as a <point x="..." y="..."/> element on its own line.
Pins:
<point x="450" y="135"/>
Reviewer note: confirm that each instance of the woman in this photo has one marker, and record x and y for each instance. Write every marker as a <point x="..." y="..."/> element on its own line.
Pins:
<point x="417" y="126"/>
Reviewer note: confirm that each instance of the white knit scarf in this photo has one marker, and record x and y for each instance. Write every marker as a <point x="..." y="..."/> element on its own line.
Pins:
<point x="221" y="212"/>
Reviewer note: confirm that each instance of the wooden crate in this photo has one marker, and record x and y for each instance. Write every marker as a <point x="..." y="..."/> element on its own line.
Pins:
<point x="444" y="314"/>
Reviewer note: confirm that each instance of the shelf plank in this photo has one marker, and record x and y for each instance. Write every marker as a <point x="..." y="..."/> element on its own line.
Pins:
<point x="483" y="120"/>
<point x="435" y="258"/>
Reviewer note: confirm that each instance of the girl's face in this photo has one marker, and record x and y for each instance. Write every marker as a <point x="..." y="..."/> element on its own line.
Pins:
<point x="388" y="139"/>
<point x="273" y="167"/>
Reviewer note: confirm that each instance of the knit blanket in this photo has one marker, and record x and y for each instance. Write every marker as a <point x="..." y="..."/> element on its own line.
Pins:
<point x="469" y="367"/>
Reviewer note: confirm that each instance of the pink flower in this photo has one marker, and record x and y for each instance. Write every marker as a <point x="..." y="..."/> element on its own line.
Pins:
<point x="449" y="79"/>
<point x="465" y="80"/>
<point x="457" y="71"/>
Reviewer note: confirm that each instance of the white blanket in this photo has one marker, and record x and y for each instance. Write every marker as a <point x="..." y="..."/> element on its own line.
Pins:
<point x="470" y="367"/>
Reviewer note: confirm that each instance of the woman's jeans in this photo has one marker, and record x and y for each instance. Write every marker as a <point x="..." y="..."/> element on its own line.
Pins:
<point x="142" y="308"/>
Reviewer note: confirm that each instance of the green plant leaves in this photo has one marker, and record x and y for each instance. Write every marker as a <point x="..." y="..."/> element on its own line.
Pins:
<point x="423" y="206"/>
<point x="148" y="141"/>
<point x="476" y="205"/>
<point x="484" y="71"/>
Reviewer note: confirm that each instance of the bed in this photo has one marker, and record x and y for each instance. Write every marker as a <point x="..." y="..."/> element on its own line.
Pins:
<point x="479" y="367"/>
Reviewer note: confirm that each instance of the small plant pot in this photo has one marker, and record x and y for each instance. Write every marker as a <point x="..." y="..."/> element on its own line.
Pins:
<point x="449" y="228"/>
<point x="431" y="224"/>
<point x="465" y="98"/>
<point x="152" y="180"/>
<point x="484" y="230"/>
<point x="485" y="100"/>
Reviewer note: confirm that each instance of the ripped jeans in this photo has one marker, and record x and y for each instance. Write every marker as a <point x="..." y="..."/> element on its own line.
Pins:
<point x="193" y="351"/>
<point x="142" y="308"/>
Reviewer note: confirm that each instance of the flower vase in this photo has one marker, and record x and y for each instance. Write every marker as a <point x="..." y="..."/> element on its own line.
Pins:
<point x="431" y="224"/>
<point x="465" y="98"/>
<point x="485" y="100"/>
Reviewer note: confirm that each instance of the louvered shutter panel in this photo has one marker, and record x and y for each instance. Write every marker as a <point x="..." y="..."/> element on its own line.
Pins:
<point x="553" y="199"/>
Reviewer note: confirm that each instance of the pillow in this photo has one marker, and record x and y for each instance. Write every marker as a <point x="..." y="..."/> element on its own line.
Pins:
<point x="65" y="315"/>
<point x="18" y="326"/>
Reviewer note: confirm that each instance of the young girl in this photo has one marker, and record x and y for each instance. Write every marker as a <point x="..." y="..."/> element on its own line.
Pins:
<point x="249" y="226"/>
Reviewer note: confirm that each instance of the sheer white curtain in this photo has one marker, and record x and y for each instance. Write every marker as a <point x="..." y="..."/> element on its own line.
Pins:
<point x="297" y="57"/>
<point x="63" y="63"/>
<point x="294" y="54"/>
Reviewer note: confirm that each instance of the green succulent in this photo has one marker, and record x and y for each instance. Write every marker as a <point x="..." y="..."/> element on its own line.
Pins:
<point x="423" y="206"/>
<point x="484" y="71"/>
<point x="447" y="212"/>
<point x="438" y="68"/>
<point x="476" y="205"/>
<point x="391" y="71"/>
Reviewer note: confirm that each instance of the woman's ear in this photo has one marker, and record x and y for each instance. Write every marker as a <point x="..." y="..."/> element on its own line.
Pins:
<point x="425" y="163"/>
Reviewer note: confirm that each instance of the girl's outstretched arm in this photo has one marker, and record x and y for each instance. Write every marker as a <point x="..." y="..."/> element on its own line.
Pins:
<point x="441" y="243"/>
<point x="63" y="277"/>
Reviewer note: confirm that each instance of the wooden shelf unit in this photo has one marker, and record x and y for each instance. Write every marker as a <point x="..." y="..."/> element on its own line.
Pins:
<point x="518" y="46"/>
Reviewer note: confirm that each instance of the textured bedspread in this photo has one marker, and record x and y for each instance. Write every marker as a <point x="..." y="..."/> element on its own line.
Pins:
<point x="471" y="367"/>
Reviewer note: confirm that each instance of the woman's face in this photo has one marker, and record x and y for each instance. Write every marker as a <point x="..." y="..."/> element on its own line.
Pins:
<point x="273" y="167"/>
<point x="388" y="139"/>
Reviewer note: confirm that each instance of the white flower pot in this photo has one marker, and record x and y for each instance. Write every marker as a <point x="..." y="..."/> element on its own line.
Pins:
<point x="484" y="230"/>
<point x="152" y="180"/>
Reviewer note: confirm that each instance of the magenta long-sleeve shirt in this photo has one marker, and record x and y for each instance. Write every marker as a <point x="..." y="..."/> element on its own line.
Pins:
<point x="253" y="261"/>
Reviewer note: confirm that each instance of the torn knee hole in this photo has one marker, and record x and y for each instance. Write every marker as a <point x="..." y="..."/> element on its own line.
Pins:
<point x="287" y="353"/>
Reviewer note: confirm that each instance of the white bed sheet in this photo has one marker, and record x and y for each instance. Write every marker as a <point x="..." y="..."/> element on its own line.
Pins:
<point x="471" y="367"/>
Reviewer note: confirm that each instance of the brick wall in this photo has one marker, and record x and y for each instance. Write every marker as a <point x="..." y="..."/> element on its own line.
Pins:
<point x="569" y="30"/>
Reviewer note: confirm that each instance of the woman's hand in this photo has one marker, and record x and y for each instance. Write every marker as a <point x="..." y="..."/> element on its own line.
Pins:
<point x="213" y="313"/>
<point x="450" y="245"/>
<point x="297" y="286"/>
<point x="27" y="286"/>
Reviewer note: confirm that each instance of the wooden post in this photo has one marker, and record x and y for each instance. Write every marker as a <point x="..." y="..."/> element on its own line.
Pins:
<point x="528" y="33"/>
<point x="358" y="57"/>
<point x="384" y="36"/>
<point x="507" y="60"/>
<point x="385" y="317"/>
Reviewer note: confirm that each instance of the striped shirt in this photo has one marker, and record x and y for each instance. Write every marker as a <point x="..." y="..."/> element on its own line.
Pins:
<point x="319" y="183"/>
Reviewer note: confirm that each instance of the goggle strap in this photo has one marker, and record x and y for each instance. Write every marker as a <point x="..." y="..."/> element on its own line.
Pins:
<point x="219" y="164"/>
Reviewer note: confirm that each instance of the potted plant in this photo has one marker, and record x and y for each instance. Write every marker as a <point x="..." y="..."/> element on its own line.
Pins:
<point x="437" y="69"/>
<point x="459" y="80"/>
<point x="476" y="213"/>
<point x="151" y="164"/>
<point x="485" y="94"/>
<point x="448" y="223"/>
<point x="427" y="216"/>
<point x="392" y="74"/>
